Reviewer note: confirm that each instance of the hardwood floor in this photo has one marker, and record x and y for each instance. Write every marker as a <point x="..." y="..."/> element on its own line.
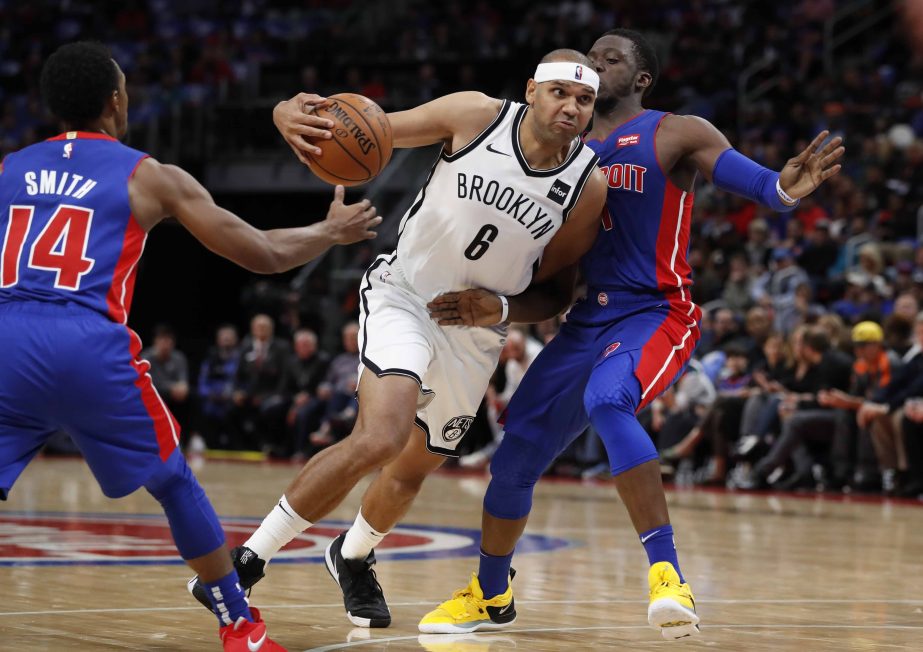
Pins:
<point x="81" y="572"/>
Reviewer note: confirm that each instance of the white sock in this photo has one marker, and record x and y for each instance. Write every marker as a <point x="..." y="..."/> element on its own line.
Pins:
<point x="360" y="539"/>
<point x="279" y="527"/>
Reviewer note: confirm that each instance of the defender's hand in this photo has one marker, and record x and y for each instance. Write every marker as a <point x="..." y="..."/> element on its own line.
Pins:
<point x="296" y="121"/>
<point x="803" y="174"/>
<point x="466" y="308"/>
<point x="350" y="223"/>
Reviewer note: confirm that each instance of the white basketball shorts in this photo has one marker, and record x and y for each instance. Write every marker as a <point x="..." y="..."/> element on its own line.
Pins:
<point x="452" y="364"/>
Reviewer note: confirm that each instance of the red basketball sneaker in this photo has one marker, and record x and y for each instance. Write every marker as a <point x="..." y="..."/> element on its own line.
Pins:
<point x="244" y="636"/>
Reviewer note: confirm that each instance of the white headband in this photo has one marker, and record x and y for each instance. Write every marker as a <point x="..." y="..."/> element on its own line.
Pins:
<point x="567" y="71"/>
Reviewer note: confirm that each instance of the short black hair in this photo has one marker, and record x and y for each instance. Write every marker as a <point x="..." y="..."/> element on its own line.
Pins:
<point x="644" y="53"/>
<point x="735" y="350"/>
<point x="816" y="339"/>
<point x="567" y="55"/>
<point x="77" y="80"/>
<point x="164" y="330"/>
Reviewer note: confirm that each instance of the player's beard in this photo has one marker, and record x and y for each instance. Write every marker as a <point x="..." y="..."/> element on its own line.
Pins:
<point x="609" y="99"/>
<point x="605" y="104"/>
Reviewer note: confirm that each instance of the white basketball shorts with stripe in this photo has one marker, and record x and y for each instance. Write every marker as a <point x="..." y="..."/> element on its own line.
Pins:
<point x="452" y="364"/>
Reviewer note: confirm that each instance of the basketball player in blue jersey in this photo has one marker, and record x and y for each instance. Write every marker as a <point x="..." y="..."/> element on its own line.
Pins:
<point x="627" y="341"/>
<point x="74" y="215"/>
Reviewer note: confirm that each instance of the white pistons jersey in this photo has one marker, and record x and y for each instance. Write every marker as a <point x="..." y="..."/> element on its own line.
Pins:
<point x="484" y="216"/>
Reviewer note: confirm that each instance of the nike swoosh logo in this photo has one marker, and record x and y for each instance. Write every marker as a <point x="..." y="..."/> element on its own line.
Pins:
<point x="496" y="151"/>
<point x="644" y="539"/>
<point x="283" y="509"/>
<point x="254" y="647"/>
<point x="506" y="608"/>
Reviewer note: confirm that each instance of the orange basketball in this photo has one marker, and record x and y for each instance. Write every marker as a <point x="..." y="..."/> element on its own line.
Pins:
<point x="361" y="143"/>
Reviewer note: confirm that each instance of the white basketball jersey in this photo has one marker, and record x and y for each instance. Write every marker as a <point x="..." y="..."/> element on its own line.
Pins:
<point x="484" y="216"/>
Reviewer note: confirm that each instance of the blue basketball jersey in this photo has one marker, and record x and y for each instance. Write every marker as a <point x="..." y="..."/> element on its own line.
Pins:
<point x="644" y="237"/>
<point x="70" y="248"/>
<point x="66" y="224"/>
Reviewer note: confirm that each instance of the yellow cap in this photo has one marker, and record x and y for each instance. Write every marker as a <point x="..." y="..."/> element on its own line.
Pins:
<point x="867" y="331"/>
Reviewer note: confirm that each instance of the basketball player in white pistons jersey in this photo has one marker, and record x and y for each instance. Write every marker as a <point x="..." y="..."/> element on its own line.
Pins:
<point x="515" y="196"/>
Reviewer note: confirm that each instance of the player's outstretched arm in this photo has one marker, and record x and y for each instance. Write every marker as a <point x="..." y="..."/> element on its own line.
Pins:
<point x="728" y="169"/>
<point x="458" y="116"/>
<point x="159" y="191"/>
<point x="462" y="115"/>
<point x="540" y="301"/>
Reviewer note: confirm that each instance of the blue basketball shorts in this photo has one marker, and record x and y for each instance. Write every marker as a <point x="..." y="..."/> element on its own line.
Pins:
<point x="66" y="367"/>
<point x="658" y="334"/>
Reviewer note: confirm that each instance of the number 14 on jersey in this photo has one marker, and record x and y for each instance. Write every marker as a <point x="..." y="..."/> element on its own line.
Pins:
<point x="60" y="246"/>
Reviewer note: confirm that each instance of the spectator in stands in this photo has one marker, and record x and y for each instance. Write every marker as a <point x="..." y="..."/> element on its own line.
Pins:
<point x="259" y="386"/>
<point x="725" y="329"/>
<point x="912" y="427"/>
<point x="738" y="288"/>
<point x="820" y="253"/>
<point x="759" y="246"/>
<point x="518" y="353"/>
<point x="898" y="332"/>
<point x="305" y="372"/>
<point x="777" y="288"/>
<point x="883" y="416"/>
<point x="851" y="454"/>
<point x="170" y="373"/>
<point x="802" y="418"/>
<point x="515" y="358"/>
<point x="337" y="393"/>
<point x="216" y="387"/>
<point x="906" y="306"/>
<point x="718" y="417"/>
<point x="771" y="376"/>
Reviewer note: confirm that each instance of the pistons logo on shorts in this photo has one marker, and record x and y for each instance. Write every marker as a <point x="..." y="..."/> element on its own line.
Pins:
<point x="602" y="299"/>
<point x="456" y="428"/>
<point x="611" y="349"/>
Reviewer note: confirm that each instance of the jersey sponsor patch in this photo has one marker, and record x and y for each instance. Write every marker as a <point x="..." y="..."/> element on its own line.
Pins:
<point x="630" y="139"/>
<point x="559" y="192"/>
<point x="456" y="428"/>
<point x="61" y="539"/>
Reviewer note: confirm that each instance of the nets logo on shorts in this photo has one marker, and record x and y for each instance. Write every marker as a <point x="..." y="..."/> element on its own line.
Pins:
<point x="65" y="539"/>
<point x="456" y="428"/>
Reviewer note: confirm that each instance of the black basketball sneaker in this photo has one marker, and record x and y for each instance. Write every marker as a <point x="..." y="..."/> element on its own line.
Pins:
<point x="362" y="595"/>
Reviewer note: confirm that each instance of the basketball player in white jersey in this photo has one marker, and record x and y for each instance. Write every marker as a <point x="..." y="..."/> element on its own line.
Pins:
<point x="515" y="196"/>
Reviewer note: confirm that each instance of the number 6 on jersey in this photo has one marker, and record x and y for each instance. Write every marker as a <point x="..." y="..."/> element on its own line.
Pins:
<point x="60" y="247"/>
<point x="481" y="242"/>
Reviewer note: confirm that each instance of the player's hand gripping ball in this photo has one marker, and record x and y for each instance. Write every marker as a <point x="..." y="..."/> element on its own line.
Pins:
<point x="361" y="144"/>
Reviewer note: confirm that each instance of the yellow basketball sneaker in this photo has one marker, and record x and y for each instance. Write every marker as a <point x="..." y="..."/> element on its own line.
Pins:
<point x="468" y="611"/>
<point x="672" y="608"/>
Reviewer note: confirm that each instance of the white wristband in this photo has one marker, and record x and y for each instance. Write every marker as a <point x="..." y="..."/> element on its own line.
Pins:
<point x="504" y="308"/>
<point x="784" y="196"/>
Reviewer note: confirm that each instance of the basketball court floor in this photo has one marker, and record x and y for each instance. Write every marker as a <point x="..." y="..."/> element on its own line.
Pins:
<point x="82" y="572"/>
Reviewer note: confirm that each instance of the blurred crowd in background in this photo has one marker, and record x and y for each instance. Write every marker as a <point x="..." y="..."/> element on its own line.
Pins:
<point x="809" y="372"/>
